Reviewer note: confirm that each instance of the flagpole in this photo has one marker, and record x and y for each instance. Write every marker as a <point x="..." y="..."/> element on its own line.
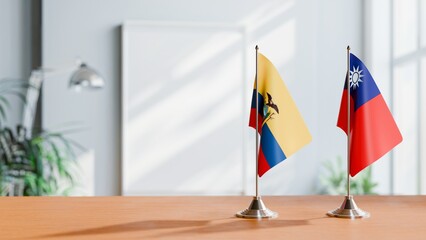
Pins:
<point x="348" y="209"/>
<point x="257" y="129"/>
<point x="349" y="121"/>
<point x="257" y="208"/>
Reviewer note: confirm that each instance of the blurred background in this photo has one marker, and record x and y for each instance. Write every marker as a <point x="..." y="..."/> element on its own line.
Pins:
<point x="172" y="116"/>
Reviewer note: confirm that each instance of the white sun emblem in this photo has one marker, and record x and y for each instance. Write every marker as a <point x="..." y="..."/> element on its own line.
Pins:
<point x="355" y="77"/>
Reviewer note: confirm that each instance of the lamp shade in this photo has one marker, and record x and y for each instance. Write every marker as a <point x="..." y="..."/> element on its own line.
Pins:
<point x="86" y="77"/>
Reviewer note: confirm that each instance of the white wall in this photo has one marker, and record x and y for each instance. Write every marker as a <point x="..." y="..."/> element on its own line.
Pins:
<point x="395" y="56"/>
<point x="15" y="48"/>
<point x="377" y="57"/>
<point x="305" y="39"/>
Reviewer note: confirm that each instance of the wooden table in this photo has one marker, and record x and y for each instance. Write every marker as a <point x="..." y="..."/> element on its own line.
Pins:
<point x="300" y="217"/>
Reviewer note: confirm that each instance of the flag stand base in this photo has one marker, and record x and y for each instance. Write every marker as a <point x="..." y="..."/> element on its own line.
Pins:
<point x="257" y="209"/>
<point x="349" y="209"/>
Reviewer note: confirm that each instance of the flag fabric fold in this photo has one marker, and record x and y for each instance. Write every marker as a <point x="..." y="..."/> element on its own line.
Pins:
<point x="281" y="127"/>
<point x="373" y="129"/>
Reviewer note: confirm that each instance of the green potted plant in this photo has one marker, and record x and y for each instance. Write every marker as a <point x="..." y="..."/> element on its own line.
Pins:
<point x="33" y="166"/>
<point x="334" y="178"/>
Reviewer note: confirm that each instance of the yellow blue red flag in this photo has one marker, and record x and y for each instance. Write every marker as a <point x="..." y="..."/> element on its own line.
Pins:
<point x="281" y="127"/>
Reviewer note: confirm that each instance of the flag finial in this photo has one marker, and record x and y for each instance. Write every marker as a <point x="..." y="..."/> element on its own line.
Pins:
<point x="349" y="48"/>
<point x="257" y="47"/>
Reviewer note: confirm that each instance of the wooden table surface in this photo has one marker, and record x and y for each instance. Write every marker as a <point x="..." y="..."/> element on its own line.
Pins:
<point x="300" y="217"/>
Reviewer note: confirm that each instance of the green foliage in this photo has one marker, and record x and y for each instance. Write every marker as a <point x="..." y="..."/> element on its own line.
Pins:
<point x="33" y="166"/>
<point x="37" y="166"/>
<point x="335" y="178"/>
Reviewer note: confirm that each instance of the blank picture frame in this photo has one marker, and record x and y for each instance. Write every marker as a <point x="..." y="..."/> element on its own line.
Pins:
<point x="184" y="108"/>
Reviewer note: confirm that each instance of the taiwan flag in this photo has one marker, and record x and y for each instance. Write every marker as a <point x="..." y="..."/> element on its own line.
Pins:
<point x="373" y="129"/>
<point x="280" y="125"/>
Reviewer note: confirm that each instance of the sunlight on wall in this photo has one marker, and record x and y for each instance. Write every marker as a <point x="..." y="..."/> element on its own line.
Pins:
<point x="205" y="52"/>
<point x="187" y="102"/>
<point x="266" y="12"/>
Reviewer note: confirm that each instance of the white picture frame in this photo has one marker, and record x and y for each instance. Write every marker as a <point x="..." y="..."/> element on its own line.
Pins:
<point x="184" y="108"/>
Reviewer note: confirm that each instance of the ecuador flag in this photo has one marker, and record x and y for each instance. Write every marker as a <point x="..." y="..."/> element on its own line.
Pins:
<point x="373" y="129"/>
<point x="281" y="127"/>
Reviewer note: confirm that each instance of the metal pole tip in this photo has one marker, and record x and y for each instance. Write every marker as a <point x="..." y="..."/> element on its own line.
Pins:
<point x="349" y="48"/>
<point x="257" y="47"/>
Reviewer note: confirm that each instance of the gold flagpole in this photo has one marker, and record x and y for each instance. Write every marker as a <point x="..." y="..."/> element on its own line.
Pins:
<point x="348" y="209"/>
<point x="257" y="208"/>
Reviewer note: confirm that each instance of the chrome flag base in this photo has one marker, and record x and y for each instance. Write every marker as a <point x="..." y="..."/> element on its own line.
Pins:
<point x="349" y="209"/>
<point x="257" y="209"/>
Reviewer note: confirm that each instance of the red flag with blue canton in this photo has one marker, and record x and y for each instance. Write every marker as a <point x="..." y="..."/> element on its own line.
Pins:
<point x="373" y="129"/>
